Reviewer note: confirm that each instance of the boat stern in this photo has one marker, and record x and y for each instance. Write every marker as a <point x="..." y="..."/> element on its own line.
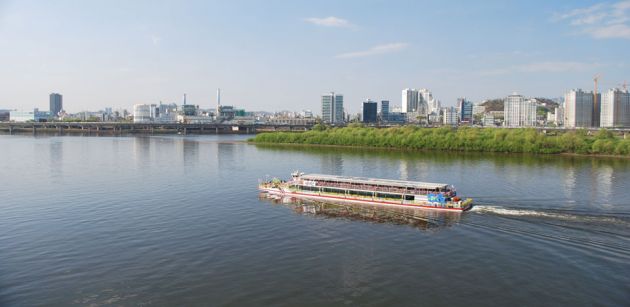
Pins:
<point x="467" y="204"/>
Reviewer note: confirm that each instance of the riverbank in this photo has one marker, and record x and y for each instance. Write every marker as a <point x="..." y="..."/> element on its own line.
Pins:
<point x="602" y="143"/>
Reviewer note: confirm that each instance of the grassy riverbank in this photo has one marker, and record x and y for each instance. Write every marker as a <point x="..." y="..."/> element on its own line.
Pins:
<point x="461" y="139"/>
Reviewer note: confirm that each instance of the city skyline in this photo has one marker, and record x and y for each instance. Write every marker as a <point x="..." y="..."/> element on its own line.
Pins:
<point x="100" y="55"/>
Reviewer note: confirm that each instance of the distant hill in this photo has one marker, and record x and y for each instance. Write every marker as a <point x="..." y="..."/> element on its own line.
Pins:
<point x="493" y="105"/>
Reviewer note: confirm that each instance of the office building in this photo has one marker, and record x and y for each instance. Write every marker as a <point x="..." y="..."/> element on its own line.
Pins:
<point x="332" y="108"/>
<point x="615" y="109"/>
<point x="409" y="100"/>
<point x="518" y="111"/>
<point x="370" y="110"/>
<point x="56" y="104"/>
<point x="449" y="116"/>
<point x="5" y="115"/>
<point x="578" y="109"/>
<point x="28" y="116"/>
<point x="384" y="110"/>
<point x="465" y="109"/>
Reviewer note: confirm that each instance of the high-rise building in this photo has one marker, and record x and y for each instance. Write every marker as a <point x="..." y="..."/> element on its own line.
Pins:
<point x="518" y="111"/>
<point x="426" y="102"/>
<point x="615" y="108"/>
<point x="56" y="104"/>
<point x="578" y="109"/>
<point x="332" y="108"/>
<point x="597" y="109"/>
<point x="465" y="109"/>
<point x="409" y="100"/>
<point x="385" y="110"/>
<point x="370" y="109"/>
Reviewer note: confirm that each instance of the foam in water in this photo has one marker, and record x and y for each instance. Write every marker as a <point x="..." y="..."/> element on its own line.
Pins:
<point x="498" y="210"/>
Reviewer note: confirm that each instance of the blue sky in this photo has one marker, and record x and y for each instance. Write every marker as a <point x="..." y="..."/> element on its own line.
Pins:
<point x="277" y="55"/>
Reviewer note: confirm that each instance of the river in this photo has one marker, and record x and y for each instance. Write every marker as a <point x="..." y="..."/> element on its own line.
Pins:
<point x="178" y="221"/>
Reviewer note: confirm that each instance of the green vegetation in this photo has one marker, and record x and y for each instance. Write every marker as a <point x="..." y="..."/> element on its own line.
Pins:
<point x="603" y="142"/>
<point x="493" y="105"/>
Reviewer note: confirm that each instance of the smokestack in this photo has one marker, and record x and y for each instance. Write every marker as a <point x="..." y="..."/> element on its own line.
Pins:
<point x="184" y="98"/>
<point x="218" y="97"/>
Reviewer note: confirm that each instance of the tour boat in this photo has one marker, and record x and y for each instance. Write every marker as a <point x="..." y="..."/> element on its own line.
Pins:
<point x="436" y="196"/>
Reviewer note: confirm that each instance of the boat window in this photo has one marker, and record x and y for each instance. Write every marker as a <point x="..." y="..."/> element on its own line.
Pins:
<point x="387" y="195"/>
<point x="409" y="197"/>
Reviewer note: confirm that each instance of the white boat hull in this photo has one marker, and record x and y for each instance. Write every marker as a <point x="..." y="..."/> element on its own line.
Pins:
<point x="321" y="197"/>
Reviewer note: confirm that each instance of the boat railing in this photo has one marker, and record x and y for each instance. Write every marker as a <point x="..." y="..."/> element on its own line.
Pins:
<point x="377" y="189"/>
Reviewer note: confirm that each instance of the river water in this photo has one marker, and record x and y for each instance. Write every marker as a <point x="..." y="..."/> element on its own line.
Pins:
<point x="178" y="221"/>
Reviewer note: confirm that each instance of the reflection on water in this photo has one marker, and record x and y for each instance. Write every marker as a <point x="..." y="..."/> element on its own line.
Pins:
<point x="332" y="163"/>
<point x="190" y="151"/>
<point x="56" y="158"/>
<point x="499" y="160"/>
<point x="177" y="220"/>
<point x="417" y="218"/>
<point x="603" y="183"/>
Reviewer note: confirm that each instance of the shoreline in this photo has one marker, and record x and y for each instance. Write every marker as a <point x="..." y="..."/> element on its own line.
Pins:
<point x="406" y="149"/>
<point x="445" y="139"/>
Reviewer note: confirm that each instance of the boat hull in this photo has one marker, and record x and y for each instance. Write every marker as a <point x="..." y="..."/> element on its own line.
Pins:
<point x="329" y="198"/>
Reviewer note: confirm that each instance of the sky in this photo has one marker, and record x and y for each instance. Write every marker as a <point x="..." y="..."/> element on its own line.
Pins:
<point x="282" y="55"/>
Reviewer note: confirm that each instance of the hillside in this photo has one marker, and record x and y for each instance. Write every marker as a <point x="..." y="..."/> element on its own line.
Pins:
<point x="493" y="105"/>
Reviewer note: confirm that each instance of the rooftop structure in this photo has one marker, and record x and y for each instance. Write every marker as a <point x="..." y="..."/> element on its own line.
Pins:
<point x="380" y="182"/>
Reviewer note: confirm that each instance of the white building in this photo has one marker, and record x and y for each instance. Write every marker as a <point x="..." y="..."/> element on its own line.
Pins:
<point x="306" y="114"/>
<point x="556" y="117"/>
<point x="28" y="116"/>
<point x="615" y="108"/>
<point x="433" y="105"/>
<point x="518" y="111"/>
<point x="478" y="109"/>
<point x="488" y="120"/>
<point x="578" y="109"/>
<point x="142" y="113"/>
<point x="332" y="108"/>
<point x="450" y="116"/>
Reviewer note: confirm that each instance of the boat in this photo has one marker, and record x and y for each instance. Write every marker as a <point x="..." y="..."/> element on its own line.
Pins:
<point x="360" y="190"/>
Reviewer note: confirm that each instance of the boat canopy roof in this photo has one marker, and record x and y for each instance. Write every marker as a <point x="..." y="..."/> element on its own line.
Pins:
<point x="373" y="181"/>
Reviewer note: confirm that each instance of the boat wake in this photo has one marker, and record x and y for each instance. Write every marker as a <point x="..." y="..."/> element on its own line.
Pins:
<point x="549" y="214"/>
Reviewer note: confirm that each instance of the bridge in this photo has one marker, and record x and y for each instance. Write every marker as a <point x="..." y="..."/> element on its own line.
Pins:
<point x="147" y="128"/>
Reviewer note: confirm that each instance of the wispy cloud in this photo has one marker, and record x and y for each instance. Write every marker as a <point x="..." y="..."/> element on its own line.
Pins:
<point x="560" y="66"/>
<point x="541" y="67"/>
<point x="376" y="50"/>
<point x="601" y="21"/>
<point x="155" y="39"/>
<point x="610" y="31"/>
<point x="330" y="21"/>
